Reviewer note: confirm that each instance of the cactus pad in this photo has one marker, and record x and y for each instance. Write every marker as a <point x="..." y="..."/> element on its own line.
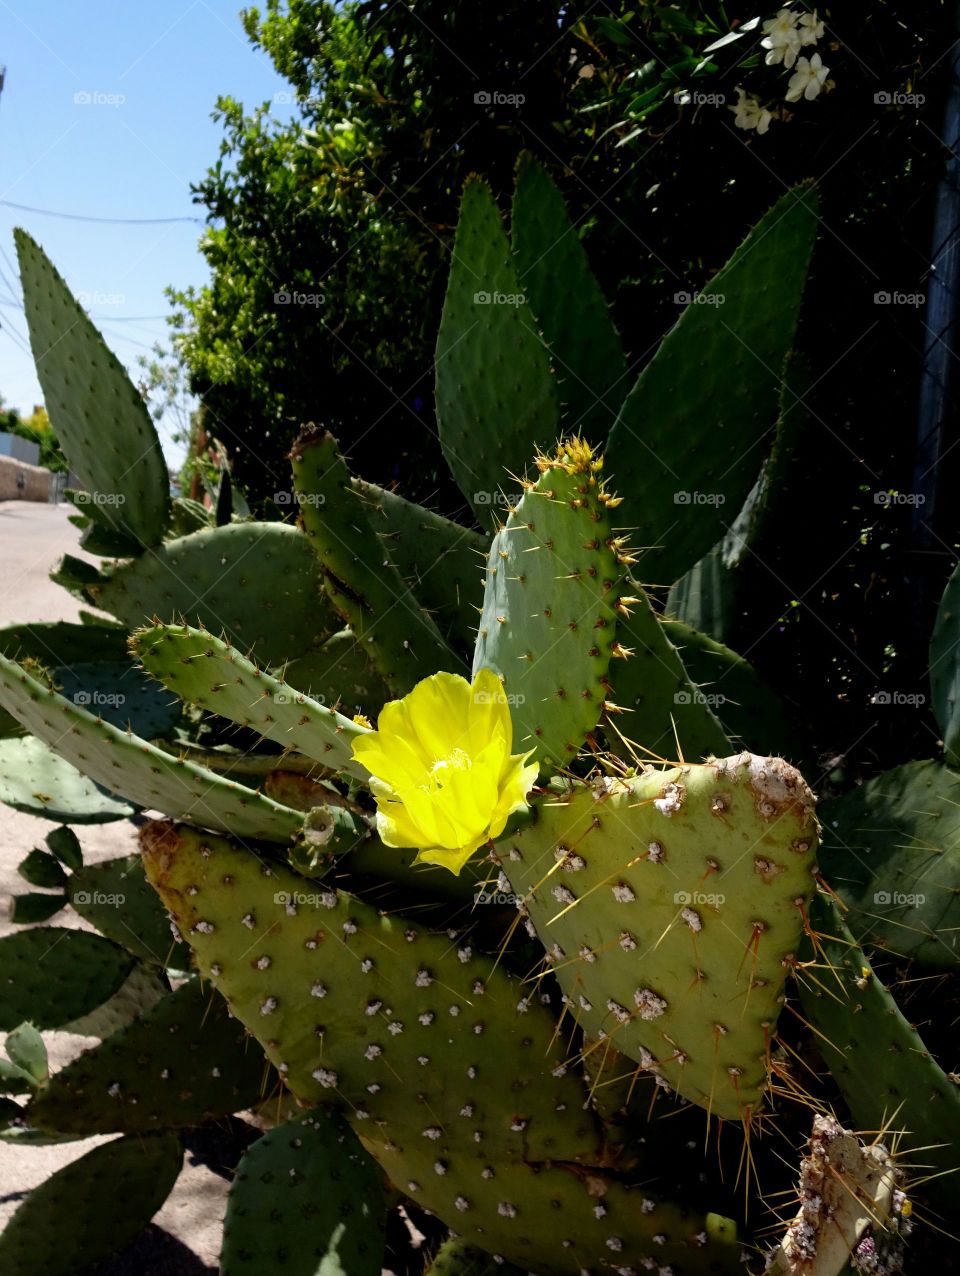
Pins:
<point x="184" y="1061"/>
<point x="52" y="976"/>
<point x="669" y="906"/>
<point x="256" y="582"/>
<point x="38" y="781"/>
<point x="147" y="775"/>
<point x="548" y="622"/>
<point x="341" y="675"/>
<point x="306" y="1199"/>
<point x="490" y="425"/>
<point x="116" y="898"/>
<point x="99" y="415"/>
<point x="74" y="1220"/>
<point x="206" y="671"/>
<point x="370" y="1011"/>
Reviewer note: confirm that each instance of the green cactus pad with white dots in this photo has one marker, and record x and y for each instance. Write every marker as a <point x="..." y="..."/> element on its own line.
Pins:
<point x="416" y="1035"/>
<point x="548" y="622"/>
<point x="671" y="906"/>
<point x="148" y="776"/>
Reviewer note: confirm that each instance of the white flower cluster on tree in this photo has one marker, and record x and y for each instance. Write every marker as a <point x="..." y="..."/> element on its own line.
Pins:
<point x="784" y="36"/>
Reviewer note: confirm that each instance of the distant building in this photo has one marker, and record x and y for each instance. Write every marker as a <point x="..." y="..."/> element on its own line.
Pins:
<point x="19" y="449"/>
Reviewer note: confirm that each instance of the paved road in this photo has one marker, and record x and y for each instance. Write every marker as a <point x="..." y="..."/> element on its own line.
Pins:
<point x="184" y="1239"/>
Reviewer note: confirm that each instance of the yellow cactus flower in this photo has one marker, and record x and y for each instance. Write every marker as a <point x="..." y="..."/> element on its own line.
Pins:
<point x="441" y="769"/>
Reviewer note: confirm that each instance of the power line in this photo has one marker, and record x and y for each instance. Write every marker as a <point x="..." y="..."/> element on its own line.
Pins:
<point x="110" y="221"/>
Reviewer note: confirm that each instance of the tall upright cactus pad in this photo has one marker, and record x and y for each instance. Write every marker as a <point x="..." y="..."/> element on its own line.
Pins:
<point x="358" y="573"/>
<point x="183" y="1062"/>
<point x="92" y="1208"/>
<point x="553" y="271"/>
<point x="306" y="1199"/>
<point x="100" y="417"/>
<point x="368" y="1011"/>
<point x="670" y="906"/>
<point x="692" y="434"/>
<point x="892" y="851"/>
<point x="145" y="774"/>
<point x="440" y="560"/>
<point x="496" y="394"/>
<point x="666" y="715"/>
<point x="945" y="667"/>
<point x="256" y="582"/>
<point x="549" y="610"/>
<point x="207" y="671"/>
<point x="560" y="1220"/>
<point x="864" y="1036"/>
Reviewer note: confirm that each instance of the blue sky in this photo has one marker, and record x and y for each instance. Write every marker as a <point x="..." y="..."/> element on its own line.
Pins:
<point x="151" y="71"/>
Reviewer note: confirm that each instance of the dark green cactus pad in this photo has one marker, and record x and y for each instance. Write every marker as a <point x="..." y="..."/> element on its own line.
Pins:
<point x="359" y="575"/>
<point x="65" y="845"/>
<point x="92" y="1208"/>
<point x="689" y="442"/>
<point x="549" y="620"/>
<point x="306" y="1200"/>
<point x="341" y="675"/>
<point x="119" y="693"/>
<point x="186" y="1060"/>
<point x="670" y="906"/>
<point x="38" y="781"/>
<point x="139" y="992"/>
<point x="891" y="849"/>
<point x="116" y="898"/>
<point x="77" y="577"/>
<point x="100" y="417"/>
<point x="416" y="1034"/>
<point x="705" y="596"/>
<point x="188" y="516"/>
<point x="887" y="1075"/>
<point x="51" y="976"/>
<point x="441" y="561"/>
<point x="496" y="395"/>
<point x="666" y="713"/>
<point x="255" y="582"/>
<point x="207" y="671"/>
<point x="35" y="906"/>
<point x="562" y="1219"/>
<point x="40" y="868"/>
<point x="146" y="774"/>
<point x="58" y="644"/>
<point x="945" y="668"/>
<point x="553" y="271"/>
<point x="749" y="710"/>
<point x="456" y="1258"/>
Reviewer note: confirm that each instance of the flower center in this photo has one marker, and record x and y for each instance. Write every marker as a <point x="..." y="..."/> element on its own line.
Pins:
<point x="456" y="760"/>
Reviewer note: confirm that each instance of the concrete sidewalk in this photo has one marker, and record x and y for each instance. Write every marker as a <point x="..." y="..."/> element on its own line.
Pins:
<point x="184" y="1239"/>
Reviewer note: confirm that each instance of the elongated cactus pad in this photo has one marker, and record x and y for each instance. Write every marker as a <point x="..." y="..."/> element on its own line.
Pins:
<point x="692" y="434"/>
<point x="209" y="672"/>
<point x="670" y="906"/>
<point x="99" y="415"/>
<point x="38" y="781"/>
<point x="549" y="610"/>
<point x="490" y="425"/>
<point x="145" y="774"/>
<point x="358" y="573"/>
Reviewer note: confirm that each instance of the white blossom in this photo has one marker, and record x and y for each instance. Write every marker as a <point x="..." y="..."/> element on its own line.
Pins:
<point x="748" y="113"/>
<point x="782" y="40"/>
<point x="808" y="79"/>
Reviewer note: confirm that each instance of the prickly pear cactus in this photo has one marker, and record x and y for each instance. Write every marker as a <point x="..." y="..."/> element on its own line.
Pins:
<point x="671" y="906"/>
